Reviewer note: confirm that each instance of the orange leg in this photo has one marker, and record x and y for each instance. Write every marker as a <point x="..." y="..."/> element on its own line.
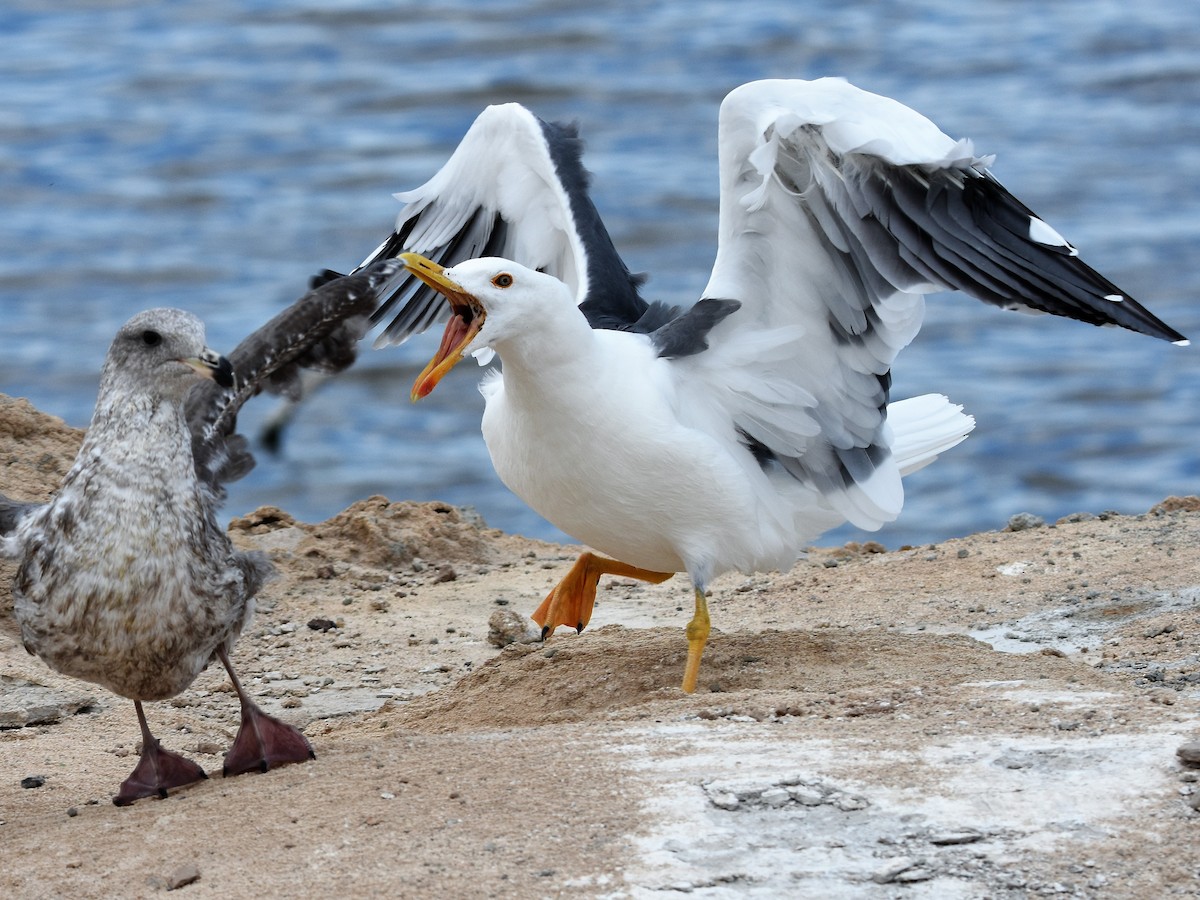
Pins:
<point x="571" y="601"/>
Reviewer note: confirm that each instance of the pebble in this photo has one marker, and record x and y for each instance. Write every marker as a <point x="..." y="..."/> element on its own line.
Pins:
<point x="947" y="838"/>
<point x="1189" y="753"/>
<point x="887" y="874"/>
<point x="1013" y="762"/>
<point x="506" y="626"/>
<point x="33" y="781"/>
<point x="182" y="877"/>
<point x="1025" y="521"/>
<point x="846" y="803"/>
<point x="806" y="796"/>
<point x="724" y="800"/>
<point x="776" y="797"/>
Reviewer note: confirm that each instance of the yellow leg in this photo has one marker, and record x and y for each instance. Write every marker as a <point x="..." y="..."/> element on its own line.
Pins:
<point x="571" y="601"/>
<point x="697" y="635"/>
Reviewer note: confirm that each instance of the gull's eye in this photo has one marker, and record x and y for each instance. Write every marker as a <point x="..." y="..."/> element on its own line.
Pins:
<point x="151" y="338"/>
<point x="503" y="280"/>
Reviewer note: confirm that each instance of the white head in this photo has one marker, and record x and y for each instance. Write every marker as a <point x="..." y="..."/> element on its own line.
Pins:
<point x="494" y="301"/>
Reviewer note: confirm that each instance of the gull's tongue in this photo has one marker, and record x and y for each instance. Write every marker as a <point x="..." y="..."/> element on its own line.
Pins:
<point x="454" y="338"/>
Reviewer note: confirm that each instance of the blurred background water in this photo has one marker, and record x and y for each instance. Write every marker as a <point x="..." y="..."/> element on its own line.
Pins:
<point x="212" y="156"/>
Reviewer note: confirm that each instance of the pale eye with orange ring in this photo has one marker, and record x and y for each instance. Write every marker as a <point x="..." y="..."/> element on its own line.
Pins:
<point x="503" y="280"/>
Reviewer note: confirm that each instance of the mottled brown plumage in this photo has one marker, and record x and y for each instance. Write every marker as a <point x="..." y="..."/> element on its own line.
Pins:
<point x="125" y="577"/>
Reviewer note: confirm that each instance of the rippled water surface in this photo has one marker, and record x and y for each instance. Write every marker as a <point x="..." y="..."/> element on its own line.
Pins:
<point x="212" y="156"/>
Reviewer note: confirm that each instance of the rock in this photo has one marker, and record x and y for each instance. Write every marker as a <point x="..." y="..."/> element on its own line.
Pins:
<point x="182" y="877"/>
<point x="1025" y="521"/>
<point x="1176" y="504"/>
<point x="948" y="838"/>
<point x="849" y="803"/>
<point x="1189" y="753"/>
<point x="894" y="867"/>
<point x="33" y="781"/>
<point x="24" y="703"/>
<point x="1013" y="761"/>
<point x="505" y="626"/>
<point x="776" y="797"/>
<point x="913" y="875"/>
<point x="724" y="800"/>
<point x="806" y="796"/>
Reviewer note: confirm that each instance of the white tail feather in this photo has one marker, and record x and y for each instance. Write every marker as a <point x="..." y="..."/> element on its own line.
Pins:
<point x="922" y="427"/>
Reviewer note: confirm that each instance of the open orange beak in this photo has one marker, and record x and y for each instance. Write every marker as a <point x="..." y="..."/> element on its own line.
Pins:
<point x="465" y="321"/>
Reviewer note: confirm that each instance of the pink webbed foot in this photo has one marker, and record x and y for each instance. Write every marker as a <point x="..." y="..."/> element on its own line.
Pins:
<point x="158" y="771"/>
<point x="264" y="742"/>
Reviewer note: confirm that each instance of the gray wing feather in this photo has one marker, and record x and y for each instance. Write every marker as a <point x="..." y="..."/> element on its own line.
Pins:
<point x="320" y="331"/>
<point x="839" y="209"/>
<point x="12" y="512"/>
<point x="516" y="188"/>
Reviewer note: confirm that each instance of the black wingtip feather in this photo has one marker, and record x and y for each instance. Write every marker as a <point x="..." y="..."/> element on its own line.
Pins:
<point x="1078" y="291"/>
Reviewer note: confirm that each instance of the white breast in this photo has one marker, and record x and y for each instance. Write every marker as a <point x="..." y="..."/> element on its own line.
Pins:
<point x="599" y="449"/>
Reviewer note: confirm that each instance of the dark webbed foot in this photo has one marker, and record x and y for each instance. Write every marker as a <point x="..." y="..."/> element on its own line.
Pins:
<point x="264" y="742"/>
<point x="158" y="770"/>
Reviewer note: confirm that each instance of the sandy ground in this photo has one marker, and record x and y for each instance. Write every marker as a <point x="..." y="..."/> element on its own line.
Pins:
<point x="994" y="716"/>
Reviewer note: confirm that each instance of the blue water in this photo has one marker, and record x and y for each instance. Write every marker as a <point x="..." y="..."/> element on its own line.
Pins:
<point x="212" y="156"/>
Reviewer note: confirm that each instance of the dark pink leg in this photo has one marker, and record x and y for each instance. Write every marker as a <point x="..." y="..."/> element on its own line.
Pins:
<point x="262" y="741"/>
<point x="158" y="770"/>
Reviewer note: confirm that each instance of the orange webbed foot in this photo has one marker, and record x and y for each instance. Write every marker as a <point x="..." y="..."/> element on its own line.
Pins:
<point x="570" y="602"/>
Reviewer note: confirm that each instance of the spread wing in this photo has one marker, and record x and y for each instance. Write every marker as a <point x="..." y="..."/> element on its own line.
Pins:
<point x="515" y="188"/>
<point x="319" y="332"/>
<point x="12" y="512"/>
<point x="839" y="210"/>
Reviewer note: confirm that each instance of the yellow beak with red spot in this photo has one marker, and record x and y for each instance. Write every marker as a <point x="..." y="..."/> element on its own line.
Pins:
<point x="466" y="318"/>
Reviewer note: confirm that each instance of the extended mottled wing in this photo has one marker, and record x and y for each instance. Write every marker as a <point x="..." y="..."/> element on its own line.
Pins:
<point x="515" y="188"/>
<point x="318" y="332"/>
<point x="12" y="512"/>
<point x="840" y="209"/>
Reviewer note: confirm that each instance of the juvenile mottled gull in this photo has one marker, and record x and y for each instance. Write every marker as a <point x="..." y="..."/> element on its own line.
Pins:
<point x="729" y="435"/>
<point x="125" y="577"/>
